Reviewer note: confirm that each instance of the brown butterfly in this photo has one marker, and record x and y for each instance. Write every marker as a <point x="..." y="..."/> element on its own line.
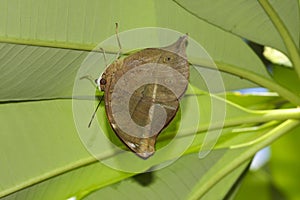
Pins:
<point x="142" y="92"/>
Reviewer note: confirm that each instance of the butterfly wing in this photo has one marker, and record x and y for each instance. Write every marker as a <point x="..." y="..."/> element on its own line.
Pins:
<point x="151" y="106"/>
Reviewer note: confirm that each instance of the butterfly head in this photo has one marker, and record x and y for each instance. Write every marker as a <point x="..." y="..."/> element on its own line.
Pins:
<point x="101" y="83"/>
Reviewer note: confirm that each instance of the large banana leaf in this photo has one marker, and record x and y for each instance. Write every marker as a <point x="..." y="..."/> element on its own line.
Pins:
<point x="43" y="45"/>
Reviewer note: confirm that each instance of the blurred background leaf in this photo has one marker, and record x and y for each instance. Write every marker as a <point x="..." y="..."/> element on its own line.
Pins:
<point x="42" y="45"/>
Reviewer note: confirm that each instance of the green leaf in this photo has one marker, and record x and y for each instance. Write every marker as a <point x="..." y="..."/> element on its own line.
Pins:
<point x="285" y="163"/>
<point x="256" y="101"/>
<point x="279" y="177"/>
<point x="33" y="73"/>
<point x="256" y="182"/>
<point x="52" y="149"/>
<point x="248" y="19"/>
<point x="175" y="182"/>
<point x="49" y="73"/>
<point x="287" y="78"/>
<point x="43" y="45"/>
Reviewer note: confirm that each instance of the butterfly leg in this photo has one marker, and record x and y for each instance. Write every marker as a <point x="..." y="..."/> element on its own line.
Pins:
<point x="90" y="78"/>
<point x="93" y="116"/>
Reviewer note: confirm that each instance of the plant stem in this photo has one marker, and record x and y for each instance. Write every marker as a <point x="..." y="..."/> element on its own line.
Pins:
<point x="256" y="78"/>
<point x="282" y="91"/>
<point x="256" y="117"/>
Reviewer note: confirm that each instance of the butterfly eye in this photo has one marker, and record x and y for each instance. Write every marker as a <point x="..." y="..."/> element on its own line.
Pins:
<point x="102" y="81"/>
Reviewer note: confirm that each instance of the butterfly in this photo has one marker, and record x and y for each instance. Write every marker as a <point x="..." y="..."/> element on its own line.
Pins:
<point x="142" y="93"/>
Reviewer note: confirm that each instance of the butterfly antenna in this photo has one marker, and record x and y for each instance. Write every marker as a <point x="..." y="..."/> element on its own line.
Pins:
<point x="105" y="60"/>
<point x="119" y="43"/>
<point x="104" y="56"/>
<point x="93" y="116"/>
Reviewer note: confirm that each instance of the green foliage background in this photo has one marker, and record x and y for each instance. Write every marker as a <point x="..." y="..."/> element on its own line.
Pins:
<point x="43" y="43"/>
